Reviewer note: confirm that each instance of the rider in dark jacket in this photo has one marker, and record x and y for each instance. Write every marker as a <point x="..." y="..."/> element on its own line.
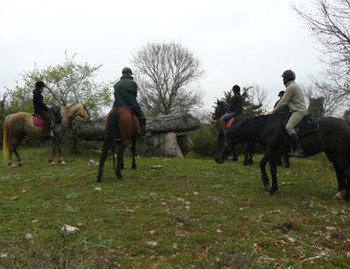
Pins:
<point x="42" y="109"/>
<point x="236" y="106"/>
<point x="125" y="94"/>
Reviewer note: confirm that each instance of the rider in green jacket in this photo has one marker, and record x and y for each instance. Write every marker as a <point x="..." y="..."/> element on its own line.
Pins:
<point x="125" y="94"/>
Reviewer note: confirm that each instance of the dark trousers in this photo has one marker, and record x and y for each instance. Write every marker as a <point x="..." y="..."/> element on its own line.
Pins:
<point x="47" y="121"/>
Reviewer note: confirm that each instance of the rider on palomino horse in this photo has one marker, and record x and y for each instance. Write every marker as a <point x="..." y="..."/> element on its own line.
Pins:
<point x="236" y="106"/>
<point x="125" y="93"/>
<point x="293" y="97"/>
<point x="41" y="109"/>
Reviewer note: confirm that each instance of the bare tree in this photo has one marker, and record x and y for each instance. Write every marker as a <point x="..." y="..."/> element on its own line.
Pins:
<point x="329" y="23"/>
<point x="167" y="73"/>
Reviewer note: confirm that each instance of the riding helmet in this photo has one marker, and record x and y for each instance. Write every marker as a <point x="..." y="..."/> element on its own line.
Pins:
<point x="126" y="70"/>
<point x="40" y="84"/>
<point x="289" y="75"/>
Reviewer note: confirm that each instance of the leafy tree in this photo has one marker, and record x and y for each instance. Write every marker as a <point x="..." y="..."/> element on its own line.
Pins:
<point x="329" y="22"/>
<point x="68" y="83"/>
<point x="346" y="115"/>
<point x="166" y="75"/>
<point x="316" y="107"/>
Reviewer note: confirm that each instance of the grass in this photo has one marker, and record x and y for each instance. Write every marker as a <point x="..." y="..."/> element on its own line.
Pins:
<point x="190" y="213"/>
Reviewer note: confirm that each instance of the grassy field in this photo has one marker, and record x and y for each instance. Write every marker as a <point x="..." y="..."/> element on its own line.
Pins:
<point x="191" y="213"/>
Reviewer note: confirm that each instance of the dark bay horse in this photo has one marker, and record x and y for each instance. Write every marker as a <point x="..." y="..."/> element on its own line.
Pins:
<point x="19" y="125"/>
<point x="121" y="123"/>
<point x="221" y="108"/>
<point x="332" y="137"/>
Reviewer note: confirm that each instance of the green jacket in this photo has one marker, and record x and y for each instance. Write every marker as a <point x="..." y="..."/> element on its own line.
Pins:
<point x="125" y="93"/>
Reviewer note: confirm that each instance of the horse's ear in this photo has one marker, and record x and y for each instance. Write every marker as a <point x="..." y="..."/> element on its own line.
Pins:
<point x="85" y="103"/>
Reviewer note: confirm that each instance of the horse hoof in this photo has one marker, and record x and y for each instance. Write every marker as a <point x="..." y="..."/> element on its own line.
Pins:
<point x="268" y="193"/>
<point x="12" y="165"/>
<point x="267" y="187"/>
<point x="63" y="163"/>
<point x="338" y="195"/>
<point x="20" y="164"/>
<point x="52" y="163"/>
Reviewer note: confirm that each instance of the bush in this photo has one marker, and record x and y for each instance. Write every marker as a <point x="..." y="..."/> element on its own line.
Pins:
<point x="204" y="139"/>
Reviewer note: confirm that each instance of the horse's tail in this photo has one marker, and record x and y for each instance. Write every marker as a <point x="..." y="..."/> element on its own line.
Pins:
<point x="111" y="132"/>
<point x="5" y="146"/>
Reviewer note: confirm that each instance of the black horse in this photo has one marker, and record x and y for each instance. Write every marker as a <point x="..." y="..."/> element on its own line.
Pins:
<point x="221" y="108"/>
<point x="332" y="137"/>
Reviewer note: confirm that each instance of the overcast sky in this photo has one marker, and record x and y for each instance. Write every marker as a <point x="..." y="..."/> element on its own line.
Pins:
<point x="244" y="42"/>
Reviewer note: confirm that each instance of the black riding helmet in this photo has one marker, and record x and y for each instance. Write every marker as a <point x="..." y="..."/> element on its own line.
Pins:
<point x="126" y="70"/>
<point x="40" y="84"/>
<point x="289" y="75"/>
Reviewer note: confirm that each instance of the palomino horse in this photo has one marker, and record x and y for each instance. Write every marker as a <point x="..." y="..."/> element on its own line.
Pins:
<point x="121" y="123"/>
<point x="221" y="108"/>
<point x="331" y="137"/>
<point x="17" y="126"/>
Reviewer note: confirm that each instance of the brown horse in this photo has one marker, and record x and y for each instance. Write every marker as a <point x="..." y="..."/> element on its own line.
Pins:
<point x="17" y="126"/>
<point x="121" y="123"/>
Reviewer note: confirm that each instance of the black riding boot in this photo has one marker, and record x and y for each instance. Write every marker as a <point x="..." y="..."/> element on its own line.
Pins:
<point x="298" y="151"/>
<point x="143" y="131"/>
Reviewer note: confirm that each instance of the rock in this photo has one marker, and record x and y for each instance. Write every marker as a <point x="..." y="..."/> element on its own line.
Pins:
<point x="169" y="136"/>
<point x="144" y="199"/>
<point x="69" y="229"/>
<point x="158" y="145"/>
<point x="185" y="143"/>
<point x="29" y="236"/>
<point x="160" y="124"/>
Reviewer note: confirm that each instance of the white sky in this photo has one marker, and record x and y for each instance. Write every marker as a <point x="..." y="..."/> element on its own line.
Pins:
<point x="244" y="42"/>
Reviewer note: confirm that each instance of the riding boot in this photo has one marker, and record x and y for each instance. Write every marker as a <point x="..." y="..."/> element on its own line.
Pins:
<point x="222" y="124"/>
<point x="143" y="131"/>
<point x="298" y="151"/>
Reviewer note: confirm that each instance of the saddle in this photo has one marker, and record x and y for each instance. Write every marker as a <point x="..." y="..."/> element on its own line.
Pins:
<point x="55" y="114"/>
<point x="306" y="126"/>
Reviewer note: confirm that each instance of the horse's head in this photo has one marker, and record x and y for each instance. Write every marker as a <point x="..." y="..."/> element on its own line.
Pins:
<point x="223" y="147"/>
<point x="220" y="109"/>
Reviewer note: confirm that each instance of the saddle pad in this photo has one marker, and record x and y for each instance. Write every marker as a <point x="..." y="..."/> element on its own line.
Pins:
<point x="37" y="121"/>
<point x="307" y="125"/>
<point x="229" y="123"/>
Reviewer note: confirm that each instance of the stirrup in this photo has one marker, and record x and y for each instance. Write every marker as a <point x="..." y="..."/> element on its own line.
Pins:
<point x="297" y="154"/>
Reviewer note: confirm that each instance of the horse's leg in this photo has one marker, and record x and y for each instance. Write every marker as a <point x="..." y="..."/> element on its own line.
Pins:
<point x="54" y="146"/>
<point x="59" y="150"/>
<point x="279" y="159"/>
<point x="133" y="150"/>
<point x="235" y="157"/>
<point x="251" y="151"/>
<point x="264" y="176"/>
<point x="14" y="142"/>
<point x="102" y="160"/>
<point x="120" y="160"/>
<point x="245" y="146"/>
<point x="343" y="172"/>
<point x="339" y="173"/>
<point x="273" y="170"/>
<point x="346" y="197"/>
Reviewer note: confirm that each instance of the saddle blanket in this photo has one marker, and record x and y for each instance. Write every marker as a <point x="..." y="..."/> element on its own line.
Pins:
<point x="37" y="121"/>
<point x="229" y="122"/>
<point x="307" y="125"/>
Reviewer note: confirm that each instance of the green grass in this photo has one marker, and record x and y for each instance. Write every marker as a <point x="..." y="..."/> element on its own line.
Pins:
<point x="191" y="213"/>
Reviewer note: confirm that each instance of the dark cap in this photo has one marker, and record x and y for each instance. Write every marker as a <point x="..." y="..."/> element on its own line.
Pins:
<point x="126" y="70"/>
<point x="280" y="94"/>
<point x="40" y="84"/>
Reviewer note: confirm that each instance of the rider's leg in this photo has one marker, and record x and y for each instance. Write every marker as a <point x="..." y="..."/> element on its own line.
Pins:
<point x="293" y="121"/>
